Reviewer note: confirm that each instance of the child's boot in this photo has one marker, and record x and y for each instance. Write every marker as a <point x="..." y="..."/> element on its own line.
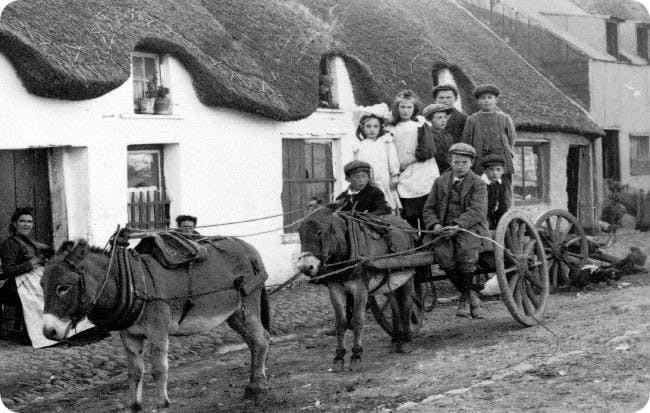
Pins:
<point x="476" y="306"/>
<point x="463" y="305"/>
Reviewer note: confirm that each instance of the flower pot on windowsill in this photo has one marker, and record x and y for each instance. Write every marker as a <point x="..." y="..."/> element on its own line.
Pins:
<point x="162" y="105"/>
<point x="147" y="105"/>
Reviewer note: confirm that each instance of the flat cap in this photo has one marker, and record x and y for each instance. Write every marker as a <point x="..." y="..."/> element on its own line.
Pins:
<point x="435" y="108"/>
<point x="491" y="160"/>
<point x="440" y="88"/>
<point x="486" y="89"/>
<point x="462" y="149"/>
<point x="355" y="166"/>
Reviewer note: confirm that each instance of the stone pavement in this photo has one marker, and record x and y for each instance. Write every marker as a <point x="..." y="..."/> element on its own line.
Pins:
<point x="28" y="375"/>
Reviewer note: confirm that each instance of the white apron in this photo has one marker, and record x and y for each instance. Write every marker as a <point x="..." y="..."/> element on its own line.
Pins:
<point x="33" y="303"/>
<point x="417" y="179"/>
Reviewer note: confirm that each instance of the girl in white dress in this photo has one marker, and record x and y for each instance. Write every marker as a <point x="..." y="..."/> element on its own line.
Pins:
<point x="416" y="150"/>
<point x="376" y="147"/>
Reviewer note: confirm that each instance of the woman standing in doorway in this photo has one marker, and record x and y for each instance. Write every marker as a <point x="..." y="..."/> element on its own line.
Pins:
<point x="23" y="259"/>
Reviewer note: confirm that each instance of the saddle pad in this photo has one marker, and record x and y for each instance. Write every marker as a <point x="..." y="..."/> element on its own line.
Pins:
<point x="172" y="249"/>
<point x="385" y="235"/>
<point x="230" y="264"/>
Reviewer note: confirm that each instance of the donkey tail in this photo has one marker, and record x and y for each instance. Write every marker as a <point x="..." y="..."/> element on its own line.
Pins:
<point x="265" y="310"/>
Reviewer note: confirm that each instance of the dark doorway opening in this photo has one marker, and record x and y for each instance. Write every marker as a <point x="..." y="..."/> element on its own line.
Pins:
<point x="611" y="160"/>
<point x="24" y="182"/>
<point x="573" y="179"/>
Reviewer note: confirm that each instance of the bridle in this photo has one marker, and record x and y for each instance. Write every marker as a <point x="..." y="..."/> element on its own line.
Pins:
<point x="84" y="308"/>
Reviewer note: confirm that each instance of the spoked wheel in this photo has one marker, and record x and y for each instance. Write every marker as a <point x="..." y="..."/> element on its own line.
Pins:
<point x="565" y="242"/>
<point x="521" y="268"/>
<point x="380" y="306"/>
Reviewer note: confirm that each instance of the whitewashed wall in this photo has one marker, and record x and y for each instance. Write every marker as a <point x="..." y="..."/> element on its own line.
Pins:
<point x="620" y="99"/>
<point x="221" y="165"/>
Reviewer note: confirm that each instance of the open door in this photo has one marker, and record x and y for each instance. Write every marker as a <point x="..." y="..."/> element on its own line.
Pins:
<point x="580" y="185"/>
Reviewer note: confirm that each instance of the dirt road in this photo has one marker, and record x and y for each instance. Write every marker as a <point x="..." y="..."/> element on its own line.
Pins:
<point x="600" y="362"/>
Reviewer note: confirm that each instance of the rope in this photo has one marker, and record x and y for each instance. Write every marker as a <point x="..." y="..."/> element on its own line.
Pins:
<point x="137" y="230"/>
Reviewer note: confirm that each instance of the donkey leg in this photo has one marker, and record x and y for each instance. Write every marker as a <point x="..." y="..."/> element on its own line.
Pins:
<point x="358" y="318"/>
<point x="160" y="367"/>
<point x="258" y="340"/>
<point x="405" y="305"/>
<point x="338" y="299"/>
<point x="134" y="346"/>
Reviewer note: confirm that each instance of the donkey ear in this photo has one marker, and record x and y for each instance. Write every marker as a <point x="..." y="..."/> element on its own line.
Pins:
<point x="65" y="248"/>
<point x="78" y="253"/>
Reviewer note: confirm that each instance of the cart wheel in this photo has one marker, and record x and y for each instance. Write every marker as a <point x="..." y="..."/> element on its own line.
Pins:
<point x="561" y="231"/>
<point x="380" y="306"/>
<point x="521" y="268"/>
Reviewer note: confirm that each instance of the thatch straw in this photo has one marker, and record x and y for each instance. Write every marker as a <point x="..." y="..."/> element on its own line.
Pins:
<point x="263" y="56"/>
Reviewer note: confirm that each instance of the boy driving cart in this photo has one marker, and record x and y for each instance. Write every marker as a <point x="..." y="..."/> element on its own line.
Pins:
<point x="456" y="209"/>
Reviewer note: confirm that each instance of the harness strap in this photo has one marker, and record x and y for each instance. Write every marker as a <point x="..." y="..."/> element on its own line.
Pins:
<point x="189" y="303"/>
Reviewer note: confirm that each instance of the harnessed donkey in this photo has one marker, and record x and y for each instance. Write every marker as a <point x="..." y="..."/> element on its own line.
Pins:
<point x="135" y="294"/>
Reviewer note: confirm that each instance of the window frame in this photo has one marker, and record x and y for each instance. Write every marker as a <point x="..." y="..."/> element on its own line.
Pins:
<point x="642" y="45"/>
<point x="639" y="166"/>
<point x="147" y="149"/>
<point x="543" y="163"/>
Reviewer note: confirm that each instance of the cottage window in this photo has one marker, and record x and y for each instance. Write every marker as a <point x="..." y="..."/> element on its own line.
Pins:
<point x="639" y="155"/>
<point x="642" y="41"/>
<point x="611" y="32"/>
<point x="148" y="83"/>
<point x="148" y="206"/>
<point x="307" y="177"/>
<point x="530" y="180"/>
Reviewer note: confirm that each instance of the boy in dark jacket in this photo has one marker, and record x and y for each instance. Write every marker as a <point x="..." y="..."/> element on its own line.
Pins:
<point x="438" y="115"/>
<point x="499" y="197"/>
<point x="361" y="195"/>
<point x="458" y="200"/>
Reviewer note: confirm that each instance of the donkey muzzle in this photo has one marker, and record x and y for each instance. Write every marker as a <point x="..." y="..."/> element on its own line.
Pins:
<point x="53" y="327"/>
<point x="308" y="264"/>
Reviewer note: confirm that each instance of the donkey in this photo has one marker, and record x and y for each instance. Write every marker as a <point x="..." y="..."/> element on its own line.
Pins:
<point x="325" y="241"/>
<point x="82" y="281"/>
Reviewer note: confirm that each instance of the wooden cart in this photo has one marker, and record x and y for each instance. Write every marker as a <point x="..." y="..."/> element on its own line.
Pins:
<point x="522" y="269"/>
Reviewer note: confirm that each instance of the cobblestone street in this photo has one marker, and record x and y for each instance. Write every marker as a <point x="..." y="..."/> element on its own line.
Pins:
<point x="30" y="375"/>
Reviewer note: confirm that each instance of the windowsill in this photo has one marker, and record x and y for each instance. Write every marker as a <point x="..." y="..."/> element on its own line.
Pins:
<point x="149" y="116"/>
<point x="290" y="238"/>
<point x="329" y="110"/>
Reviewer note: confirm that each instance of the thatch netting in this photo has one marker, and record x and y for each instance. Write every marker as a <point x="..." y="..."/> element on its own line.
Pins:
<point x="262" y="56"/>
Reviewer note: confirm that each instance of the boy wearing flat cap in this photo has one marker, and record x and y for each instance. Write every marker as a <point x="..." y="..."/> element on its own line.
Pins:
<point x="491" y="132"/>
<point x="499" y="197"/>
<point x="458" y="201"/>
<point x="437" y="115"/>
<point x="361" y="195"/>
<point x="448" y="95"/>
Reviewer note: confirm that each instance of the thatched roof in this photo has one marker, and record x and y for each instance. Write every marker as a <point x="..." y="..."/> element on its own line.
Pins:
<point x="625" y="9"/>
<point x="262" y="56"/>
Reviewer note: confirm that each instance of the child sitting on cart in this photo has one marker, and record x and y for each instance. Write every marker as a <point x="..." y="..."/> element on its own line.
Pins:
<point x="362" y="195"/>
<point x="456" y="208"/>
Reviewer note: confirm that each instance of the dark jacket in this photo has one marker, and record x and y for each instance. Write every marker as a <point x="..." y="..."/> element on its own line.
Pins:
<point x="499" y="201"/>
<point x="443" y="141"/>
<point x="15" y="253"/>
<point x="369" y="199"/>
<point x="473" y="195"/>
<point x="427" y="147"/>
<point x="455" y="125"/>
<point x="476" y="133"/>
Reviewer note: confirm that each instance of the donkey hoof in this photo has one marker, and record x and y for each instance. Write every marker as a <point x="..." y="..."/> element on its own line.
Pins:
<point x="404" y="347"/>
<point x="256" y="394"/>
<point x="355" y="363"/>
<point x="338" y="364"/>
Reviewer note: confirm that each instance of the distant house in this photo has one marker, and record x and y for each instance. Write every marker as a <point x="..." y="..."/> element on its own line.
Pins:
<point x="597" y="54"/>
<point x="244" y="137"/>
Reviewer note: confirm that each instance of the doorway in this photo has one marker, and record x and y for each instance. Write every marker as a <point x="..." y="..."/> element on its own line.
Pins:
<point x="611" y="162"/>
<point x="24" y="182"/>
<point x="580" y="185"/>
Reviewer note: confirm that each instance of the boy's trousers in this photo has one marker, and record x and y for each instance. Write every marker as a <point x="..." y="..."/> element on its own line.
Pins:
<point x="458" y="253"/>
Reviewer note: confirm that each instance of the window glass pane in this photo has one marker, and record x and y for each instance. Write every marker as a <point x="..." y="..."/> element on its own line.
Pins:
<point x="143" y="170"/>
<point x="150" y="69"/>
<point x="528" y="181"/>
<point x="138" y="68"/>
<point x="138" y="88"/>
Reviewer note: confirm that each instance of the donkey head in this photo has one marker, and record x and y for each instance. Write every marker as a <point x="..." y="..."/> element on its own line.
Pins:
<point x="65" y="290"/>
<point x="322" y="239"/>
